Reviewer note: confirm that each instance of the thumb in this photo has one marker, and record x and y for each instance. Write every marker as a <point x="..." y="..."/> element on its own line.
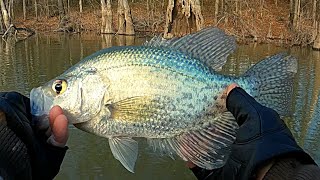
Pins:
<point x="59" y="128"/>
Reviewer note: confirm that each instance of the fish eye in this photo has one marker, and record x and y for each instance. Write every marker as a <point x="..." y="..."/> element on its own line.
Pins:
<point x="59" y="86"/>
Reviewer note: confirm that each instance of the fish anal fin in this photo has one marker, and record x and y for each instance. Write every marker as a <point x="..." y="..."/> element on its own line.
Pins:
<point x="125" y="150"/>
<point x="207" y="148"/>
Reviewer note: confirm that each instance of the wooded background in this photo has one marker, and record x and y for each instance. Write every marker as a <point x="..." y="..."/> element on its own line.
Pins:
<point x="297" y="22"/>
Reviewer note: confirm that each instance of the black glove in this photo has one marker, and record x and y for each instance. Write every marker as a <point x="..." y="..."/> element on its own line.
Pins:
<point x="262" y="136"/>
<point x="32" y="153"/>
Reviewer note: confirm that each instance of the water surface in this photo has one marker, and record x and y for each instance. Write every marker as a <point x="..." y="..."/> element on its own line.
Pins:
<point x="30" y="63"/>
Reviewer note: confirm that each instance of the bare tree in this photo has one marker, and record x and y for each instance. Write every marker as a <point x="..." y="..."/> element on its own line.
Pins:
<point x="316" y="43"/>
<point x="24" y="9"/>
<point x="80" y="6"/>
<point x="106" y="12"/>
<point x="47" y="7"/>
<point x="291" y="12"/>
<point x="316" y="24"/>
<point x="216" y="11"/>
<point x="10" y="9"/>
<point x="183" y="17"/>
<point x="314" y="13"/>
<point x="125" y="23"/>
<point x="61" y="9"/>
<point x="2" y="27"/>
<point x="36" y="9"/>
<point x="5" y="16"/>
<point x="296" y="13"/>
<point x="68" y="6"/>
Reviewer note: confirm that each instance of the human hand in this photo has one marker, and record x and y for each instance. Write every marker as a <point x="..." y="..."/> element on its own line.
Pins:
<point x="261" y="138"/>
<point x="58" y="131"/>
<point x="190" y="164"/>
<point x="46" y="154"/>
<point x="230" y="87"/>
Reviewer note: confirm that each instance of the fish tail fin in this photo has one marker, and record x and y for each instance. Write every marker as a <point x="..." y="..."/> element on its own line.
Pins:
<point x="273" y="81"/>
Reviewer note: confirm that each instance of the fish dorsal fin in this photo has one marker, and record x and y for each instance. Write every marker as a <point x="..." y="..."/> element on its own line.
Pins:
<point x="210" y="45"/>
<point x="208" y="148"/>
<point x="125" y="150"/>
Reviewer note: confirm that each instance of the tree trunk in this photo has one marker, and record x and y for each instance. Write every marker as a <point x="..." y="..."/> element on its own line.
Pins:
<point x="183" y="17"/>
<point x="5" y="16"/>
<point x="222" y="8"/>
<point x="148" y="13"/>
<point x="314" y="13"/>
<point x="237" y="6"/>
<point x="125" y="24"/>
<point x="296" y="15"/>
<point x="10" y="9"/>
<point x="2" y="27"/>
<point x="106" y="20"/>
<point x="80" y="6"/>
<point x="291" y="15"/>
<point x="47" y="8"/>
<point x="24" y="9"/>
<point x="68" y="10"/>
<point x="216" y="11"/>
<point x="61" y="9"/>
<point x="316" y="43"/>
<point x="128" y="18"/>
<point x="36" y="9"/>
<point x="121" y="20"/>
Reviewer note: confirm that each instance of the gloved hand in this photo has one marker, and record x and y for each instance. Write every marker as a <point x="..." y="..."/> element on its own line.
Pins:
<point x="25" y="151"/>
<point x="262" y="137"/>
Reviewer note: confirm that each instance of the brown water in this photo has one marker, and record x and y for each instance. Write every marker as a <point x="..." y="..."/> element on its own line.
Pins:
<point x="30" y="63"/>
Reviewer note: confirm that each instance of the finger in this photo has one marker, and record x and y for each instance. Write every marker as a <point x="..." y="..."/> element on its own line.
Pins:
<point x="190" y="165"/>
<point x="60" y="132"/>
<point x="55" y="111"/>
<point x="230" y="87"/>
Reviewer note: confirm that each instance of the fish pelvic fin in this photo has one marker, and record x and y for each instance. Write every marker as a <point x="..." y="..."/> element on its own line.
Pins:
<point x="273" y="79"/>
<point x="125" y="150"/>
<point x="210" y="45"/>
<point x="208" y="148"/>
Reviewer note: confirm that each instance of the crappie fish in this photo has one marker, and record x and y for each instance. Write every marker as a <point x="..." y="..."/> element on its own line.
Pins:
<point x="167" y="91"/>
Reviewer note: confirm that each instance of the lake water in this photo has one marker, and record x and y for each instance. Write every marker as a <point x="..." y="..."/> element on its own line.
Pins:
<point x="30" y="63"/>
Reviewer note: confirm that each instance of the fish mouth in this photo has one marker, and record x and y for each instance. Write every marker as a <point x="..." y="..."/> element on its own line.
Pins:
<point x="40" y="106"/>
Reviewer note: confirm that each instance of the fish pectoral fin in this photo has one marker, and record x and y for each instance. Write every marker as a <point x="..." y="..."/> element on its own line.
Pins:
<point x="132" y="109"/>
<point x="208" y="148"/>
<point x="125" y="150"/>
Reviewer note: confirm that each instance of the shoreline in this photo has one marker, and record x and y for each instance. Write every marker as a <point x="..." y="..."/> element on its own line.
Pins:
<point x="269" y="24"/>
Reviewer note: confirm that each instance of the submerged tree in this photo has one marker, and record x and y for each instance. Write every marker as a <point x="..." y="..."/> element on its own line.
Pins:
<point x="315" y="13"/>
<point x="61" y="9"/>
<point x="106" y="20"/>
<point x="80" y="6"/>
<point x="183" y="17"/>
<point x="316" y="43"/>
<point x="316" y="24"/>
<point x="36" y="8"/>
<point x="125" y="24"/>
<point x="5" y="16"/>
<point x="24" y="8"/>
